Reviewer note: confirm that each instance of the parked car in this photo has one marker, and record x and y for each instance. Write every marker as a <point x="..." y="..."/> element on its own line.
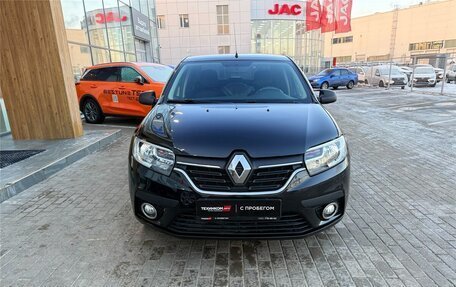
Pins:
<point x="361" y="72"/>
<point x="113" y="89"/>
<point x="221" y="155"/>
<point x="334" y="77"/>
<point x="451" y="73"/>
<point x="438" y="74"/>
<point x="380" y="76"/>
<point x="423" y="76"/>
<point x="406" y="70"/>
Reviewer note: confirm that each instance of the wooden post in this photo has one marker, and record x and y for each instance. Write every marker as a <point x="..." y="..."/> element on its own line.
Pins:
<point x="35" y="71"/>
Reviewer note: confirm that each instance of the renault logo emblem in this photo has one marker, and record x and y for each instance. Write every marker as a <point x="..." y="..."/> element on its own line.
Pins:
<point x="239" y="169"/>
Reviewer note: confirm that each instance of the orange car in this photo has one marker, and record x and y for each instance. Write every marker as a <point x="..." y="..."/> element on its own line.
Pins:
<point x="113" y="89"/>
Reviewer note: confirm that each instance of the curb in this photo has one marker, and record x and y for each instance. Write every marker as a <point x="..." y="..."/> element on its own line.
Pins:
<point x="16" y="187"/>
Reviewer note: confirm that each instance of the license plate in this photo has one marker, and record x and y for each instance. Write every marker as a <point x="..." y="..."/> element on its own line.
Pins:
<point x="266" y="209"/>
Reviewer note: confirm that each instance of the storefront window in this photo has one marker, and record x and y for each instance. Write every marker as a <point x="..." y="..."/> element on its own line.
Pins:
<point x="127" y="30"/>
<point x="288" y="37"/>
<point x="96" y="22"/>
<point x="100" y="56"/>
<point x="117" y="56"/>
<point x="74" y="15"/>
<point x="130" y="57"/>
<point x="113" y="20"/>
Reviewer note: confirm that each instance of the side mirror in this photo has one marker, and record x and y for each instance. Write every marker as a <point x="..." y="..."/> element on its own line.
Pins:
<point x="327" y="97"/>
<point x="139" y="80"/>
<point x="148" y="98"/>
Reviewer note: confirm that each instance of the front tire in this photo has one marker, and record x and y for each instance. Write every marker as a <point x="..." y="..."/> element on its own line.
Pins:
<point x="381" y="84"/>
<point x="350" y="85"/>
<point x="324" y="86"/>
<point x="92" y="112"/>
<point x="403" y="87"/>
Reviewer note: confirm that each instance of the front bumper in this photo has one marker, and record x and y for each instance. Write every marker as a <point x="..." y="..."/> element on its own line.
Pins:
<point x="302" y="202"/>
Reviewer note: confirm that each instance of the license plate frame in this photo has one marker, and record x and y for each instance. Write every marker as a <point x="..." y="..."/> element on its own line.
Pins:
<point x="239" y="209"/>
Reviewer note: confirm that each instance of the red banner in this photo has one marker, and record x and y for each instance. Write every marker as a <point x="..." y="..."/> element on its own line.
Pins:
<point x="328" y="19"/>
<point x="313" y="13"/>
<point x="343" y="15"/>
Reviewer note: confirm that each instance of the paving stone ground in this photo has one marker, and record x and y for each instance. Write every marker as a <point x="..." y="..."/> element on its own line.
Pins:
<point x="77" y="227"/>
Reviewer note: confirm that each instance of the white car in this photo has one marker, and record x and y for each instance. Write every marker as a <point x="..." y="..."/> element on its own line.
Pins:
<point x="379" y="76"/>
<point x="423" y="76"/>
<point x="361" y="72"/>
<point x="451" y="73"/>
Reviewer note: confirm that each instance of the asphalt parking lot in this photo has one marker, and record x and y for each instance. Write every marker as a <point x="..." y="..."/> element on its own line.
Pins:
<point x="77" y="227"/>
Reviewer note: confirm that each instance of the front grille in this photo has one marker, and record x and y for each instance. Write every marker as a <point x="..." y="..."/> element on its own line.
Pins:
<point x="422" y="80"/>
<point x="287" y="225"/>
<point x="261" y="179"/>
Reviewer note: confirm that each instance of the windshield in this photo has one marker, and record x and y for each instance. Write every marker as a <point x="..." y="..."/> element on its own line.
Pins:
<point x="424" y="70"/>
<point x="158" y="73"/>
<point x="238" y="81"/>
<point x="394" y="71"/>
<point x="325" y="72"/>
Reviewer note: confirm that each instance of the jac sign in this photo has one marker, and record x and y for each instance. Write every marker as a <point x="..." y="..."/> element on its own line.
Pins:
<point x="278" y="10"/>
<point x="285" y="9"/>
<point x="109" y="17"/>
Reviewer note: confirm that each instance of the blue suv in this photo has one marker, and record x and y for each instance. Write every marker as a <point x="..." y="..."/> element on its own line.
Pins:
<point x="334" y="77"/>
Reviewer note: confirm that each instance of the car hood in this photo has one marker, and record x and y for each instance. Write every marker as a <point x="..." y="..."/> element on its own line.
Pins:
<point x="418" y="75"/>
<point x="315" y="77"/>
<point x="261" y="130"/>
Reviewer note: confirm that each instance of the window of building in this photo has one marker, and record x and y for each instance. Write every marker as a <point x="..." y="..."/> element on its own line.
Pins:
<point x="184" y="23"/>
<point x="223" y="26"/>
<point x="426" y="45"/>
<point x="342" y="40"/>
<point x="343" y="59"/>
<point x="161" y="22"/>
<point x="223" y="49"/>
<point x="450" y="43"/>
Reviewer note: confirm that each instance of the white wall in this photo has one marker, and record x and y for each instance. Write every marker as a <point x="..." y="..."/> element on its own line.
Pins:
<point x="201" y="37"/>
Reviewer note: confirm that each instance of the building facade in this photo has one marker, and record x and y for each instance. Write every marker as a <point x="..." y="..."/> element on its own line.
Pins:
<point x="101" y="31"/>
<point x="187" y="28"/>
<point x="422" y="34"/>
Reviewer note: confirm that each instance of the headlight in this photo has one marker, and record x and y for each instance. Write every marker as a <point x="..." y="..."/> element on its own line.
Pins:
<point x="158" y="158"/>
<point x="325" y="156"/>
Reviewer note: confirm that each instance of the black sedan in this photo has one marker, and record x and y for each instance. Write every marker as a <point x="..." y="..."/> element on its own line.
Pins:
<point x="239" y="147"/>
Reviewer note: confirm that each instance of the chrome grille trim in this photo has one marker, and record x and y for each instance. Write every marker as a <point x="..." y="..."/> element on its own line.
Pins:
<point x="225" y="193"/>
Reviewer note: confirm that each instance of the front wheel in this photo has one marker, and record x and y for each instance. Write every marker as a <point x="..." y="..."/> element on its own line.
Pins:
<point x="324" y="86"/>
<point x="92" y="112"/>
<point x="350" y="85"/>
<point x="403" y="87"/>
<point x="381" y="84"/>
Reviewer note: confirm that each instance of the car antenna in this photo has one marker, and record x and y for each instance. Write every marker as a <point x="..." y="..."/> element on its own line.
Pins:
<point x="235" y="42"/>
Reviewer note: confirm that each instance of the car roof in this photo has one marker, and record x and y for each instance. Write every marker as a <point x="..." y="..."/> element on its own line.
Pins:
<point x="117" y="64"/>
<point x="226" y="57"/>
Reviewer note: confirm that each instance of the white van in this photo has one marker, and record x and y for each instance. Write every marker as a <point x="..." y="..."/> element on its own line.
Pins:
<point x="378" y="76"/>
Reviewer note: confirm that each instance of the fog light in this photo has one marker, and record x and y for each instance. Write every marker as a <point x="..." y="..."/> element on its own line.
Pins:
<point x="330" y="210"/>
<point x="149" y="210"/>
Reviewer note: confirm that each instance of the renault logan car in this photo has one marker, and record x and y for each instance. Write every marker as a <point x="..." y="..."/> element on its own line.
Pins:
<point x="113" y="89"/>
<point x="239" y="147"/>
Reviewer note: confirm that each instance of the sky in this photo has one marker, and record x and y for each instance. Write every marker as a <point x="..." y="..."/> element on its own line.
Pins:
<point x="367" y="7"/>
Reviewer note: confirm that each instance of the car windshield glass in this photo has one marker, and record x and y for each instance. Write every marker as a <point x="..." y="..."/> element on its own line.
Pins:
<point x="325" y="72"/>
<point x="158" y="73"/>
<point x="238" y="81"/>
<point x="394" y="71"/>
<point x="424" y="70"/>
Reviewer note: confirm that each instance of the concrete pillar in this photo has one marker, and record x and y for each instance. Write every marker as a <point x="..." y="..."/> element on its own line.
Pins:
<point x="35" y="71"/>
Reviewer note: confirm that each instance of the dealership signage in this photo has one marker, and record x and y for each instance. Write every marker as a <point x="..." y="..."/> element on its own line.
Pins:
<point x="109" y="17"/>
<point x="141" y="25"/>
<point x="327" y="15"/>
